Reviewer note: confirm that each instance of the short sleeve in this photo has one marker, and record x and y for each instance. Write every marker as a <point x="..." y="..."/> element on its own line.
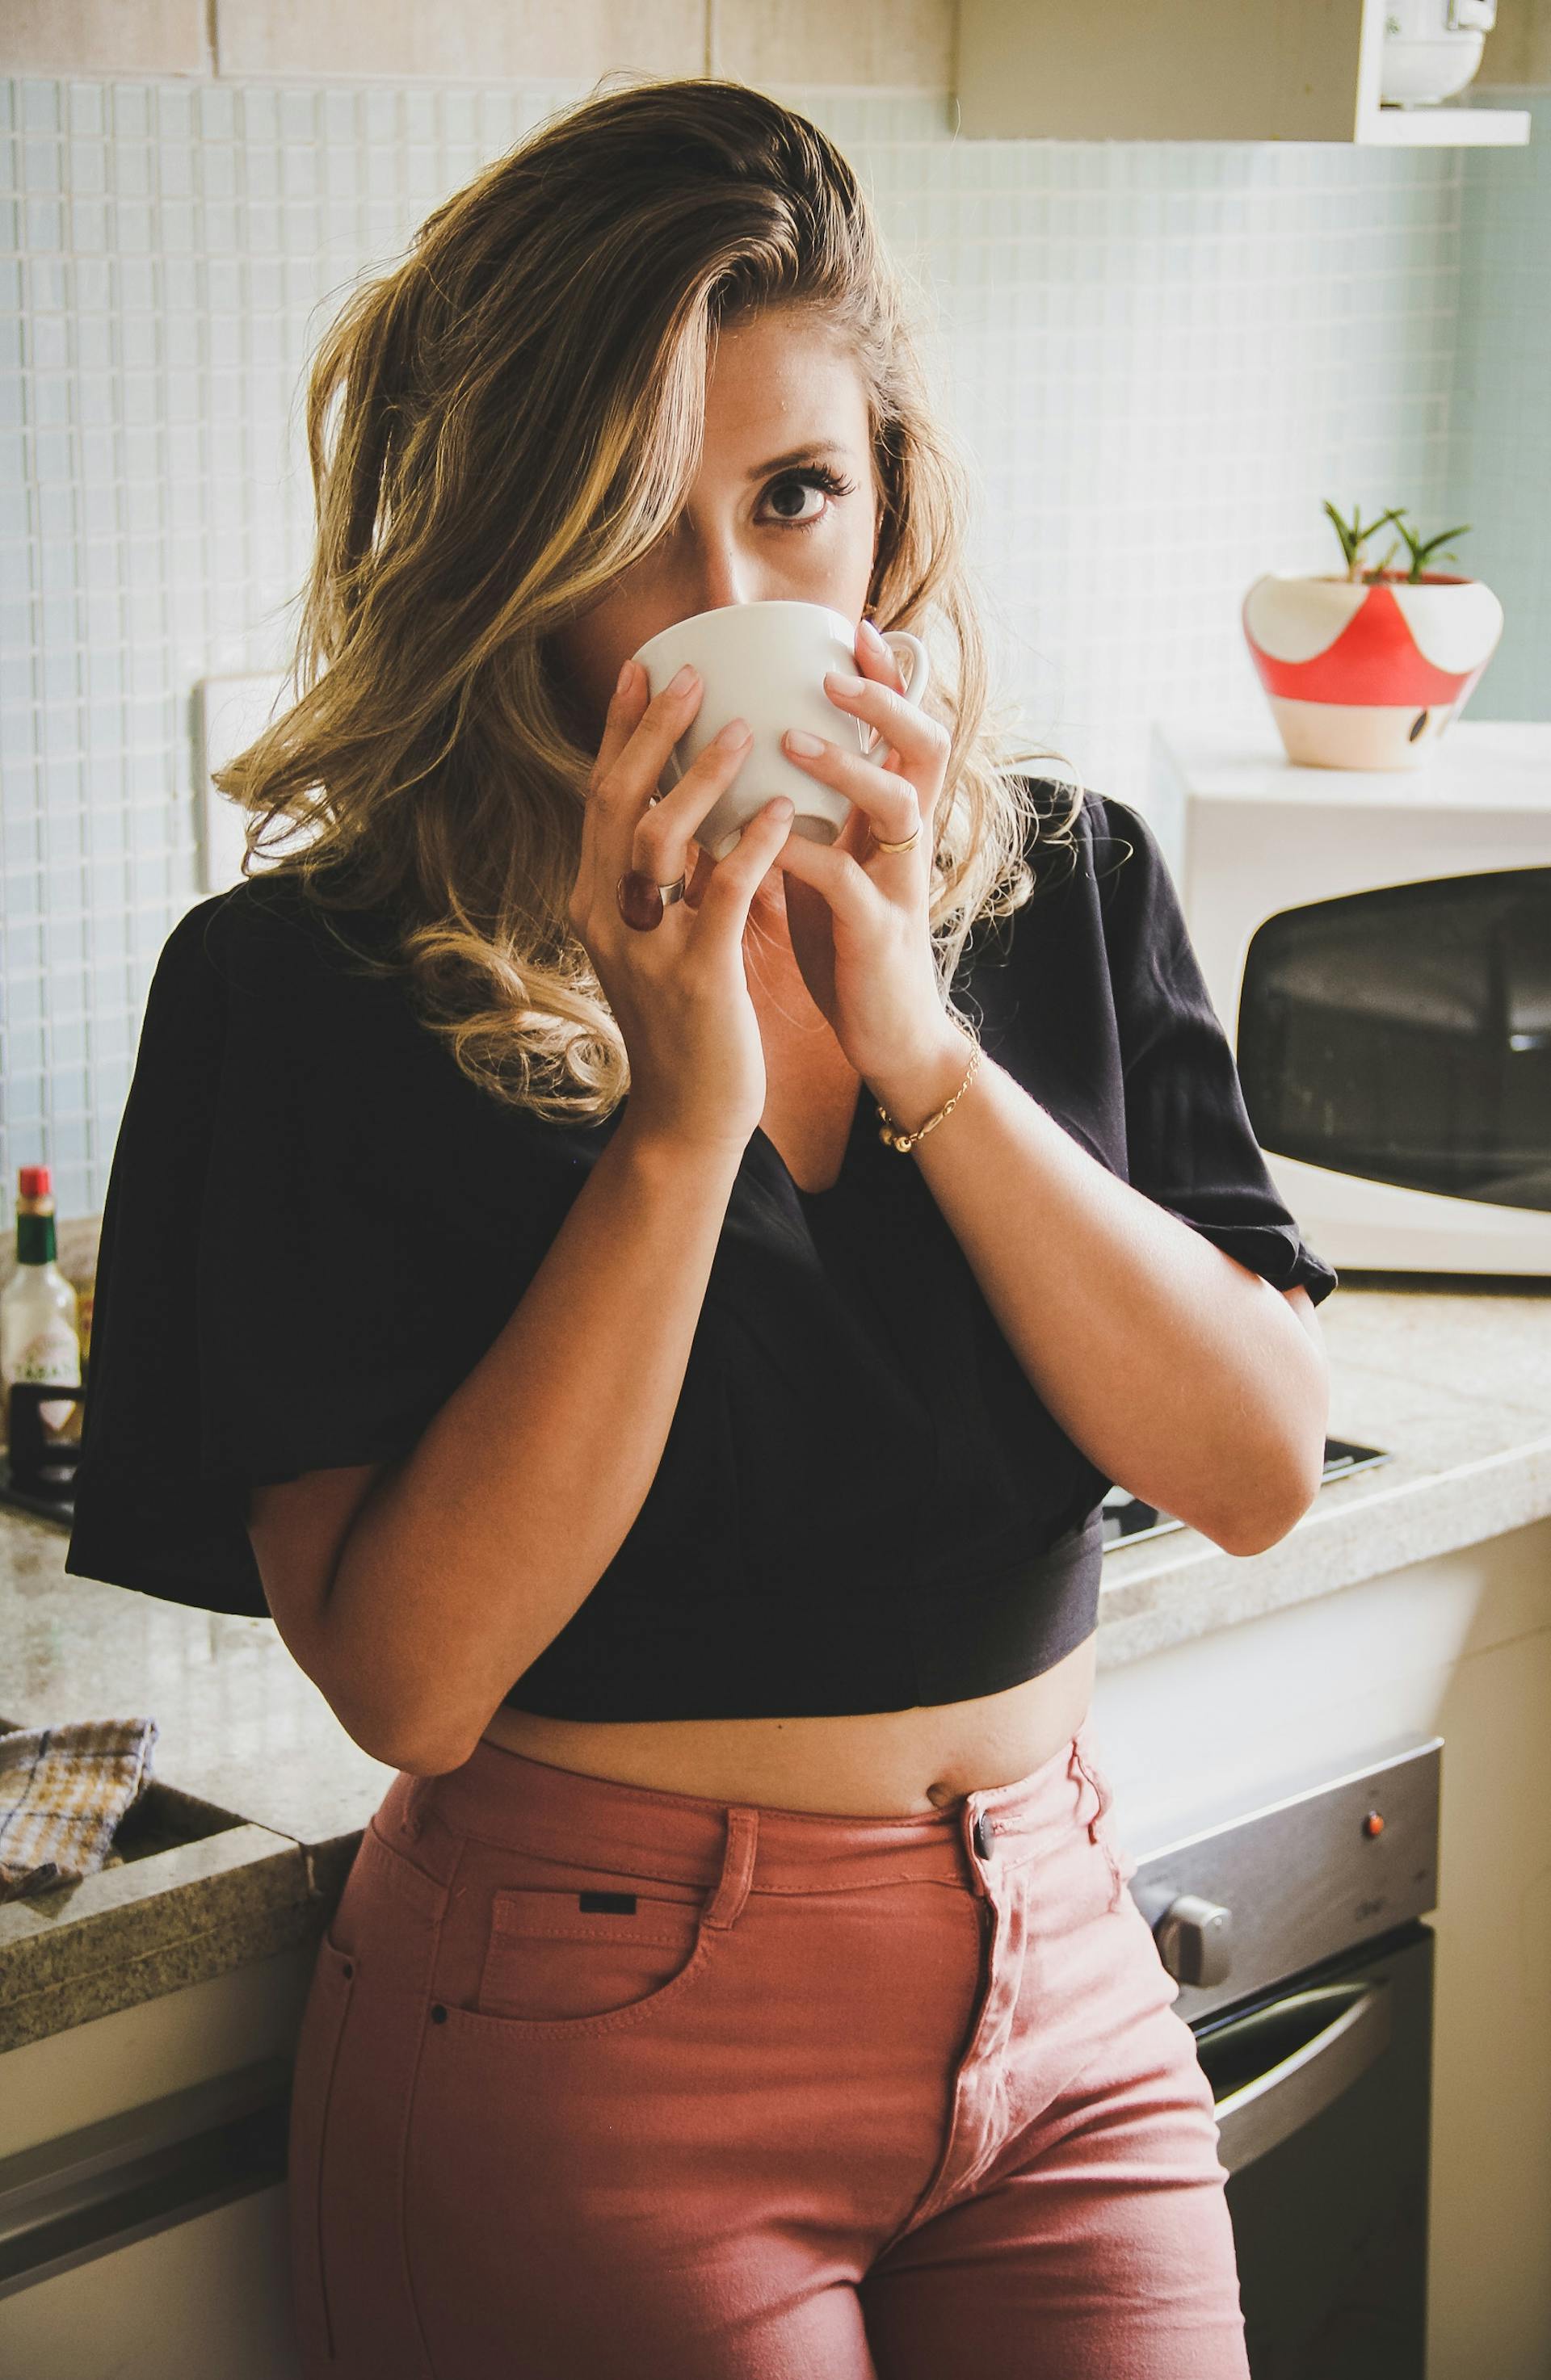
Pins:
<point x="1191" y="1147"/>
<point x="287" y="1278"/>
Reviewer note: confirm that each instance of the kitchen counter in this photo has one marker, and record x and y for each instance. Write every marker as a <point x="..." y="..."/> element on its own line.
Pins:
<point x="260" y="1796"/>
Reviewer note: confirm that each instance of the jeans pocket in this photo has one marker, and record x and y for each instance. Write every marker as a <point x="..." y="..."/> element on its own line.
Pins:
<point x="556" y="1955"/>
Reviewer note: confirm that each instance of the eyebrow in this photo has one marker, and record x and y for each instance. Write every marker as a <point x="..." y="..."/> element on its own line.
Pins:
<point x="799" y="454"/>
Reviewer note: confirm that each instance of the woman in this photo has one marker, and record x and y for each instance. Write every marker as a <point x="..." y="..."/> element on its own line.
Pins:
<point x="751" y="1987"/>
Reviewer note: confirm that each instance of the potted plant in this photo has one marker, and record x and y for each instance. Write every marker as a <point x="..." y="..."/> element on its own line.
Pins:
<point x="1364" y="668"/>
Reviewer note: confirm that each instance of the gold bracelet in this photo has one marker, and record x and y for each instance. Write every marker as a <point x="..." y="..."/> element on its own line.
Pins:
<point x="889" y="1131"/>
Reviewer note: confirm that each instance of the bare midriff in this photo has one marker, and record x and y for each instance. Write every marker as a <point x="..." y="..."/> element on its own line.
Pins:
<point x="875" y="1764"/>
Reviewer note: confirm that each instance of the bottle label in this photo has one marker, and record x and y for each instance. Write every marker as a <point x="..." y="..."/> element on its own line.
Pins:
<point x="51" y="1356"/>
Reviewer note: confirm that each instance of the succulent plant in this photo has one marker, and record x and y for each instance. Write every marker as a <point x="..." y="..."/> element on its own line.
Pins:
<point x="1354" y="536"/>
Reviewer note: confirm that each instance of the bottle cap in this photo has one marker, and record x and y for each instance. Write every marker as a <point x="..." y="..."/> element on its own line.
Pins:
<point x="35" y="1181"/>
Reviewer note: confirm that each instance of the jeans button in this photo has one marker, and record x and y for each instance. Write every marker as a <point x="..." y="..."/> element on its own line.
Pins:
<point x="985" y="1835"/>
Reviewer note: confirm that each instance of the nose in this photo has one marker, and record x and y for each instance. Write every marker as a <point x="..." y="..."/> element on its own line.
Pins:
<point x="719" y="566"/>
<point x="726" y="577"/>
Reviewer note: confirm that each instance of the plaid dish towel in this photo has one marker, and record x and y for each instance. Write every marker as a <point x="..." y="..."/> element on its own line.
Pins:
<point x="63" y="1790"/>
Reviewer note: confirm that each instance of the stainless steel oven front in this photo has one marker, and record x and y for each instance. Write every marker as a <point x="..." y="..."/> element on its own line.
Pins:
<point x="1295" y="1929"/>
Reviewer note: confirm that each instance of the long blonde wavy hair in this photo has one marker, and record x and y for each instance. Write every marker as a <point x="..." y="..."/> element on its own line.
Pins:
<point x="497" y="427"/>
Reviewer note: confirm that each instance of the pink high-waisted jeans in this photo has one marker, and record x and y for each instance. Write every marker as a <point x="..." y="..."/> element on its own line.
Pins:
<point x="601" y="2083"/>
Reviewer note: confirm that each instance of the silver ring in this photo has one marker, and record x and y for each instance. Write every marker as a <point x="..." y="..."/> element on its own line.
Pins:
<point x="667" y="895"/>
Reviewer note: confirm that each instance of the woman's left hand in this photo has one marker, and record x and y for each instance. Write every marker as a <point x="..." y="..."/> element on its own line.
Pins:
<point x="859" y="918"/>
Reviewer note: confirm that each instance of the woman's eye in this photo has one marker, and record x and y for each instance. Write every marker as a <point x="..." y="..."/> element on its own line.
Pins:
<point x="801" y="483"/>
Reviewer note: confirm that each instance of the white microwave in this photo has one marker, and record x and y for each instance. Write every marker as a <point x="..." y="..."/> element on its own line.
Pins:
<point x="1377" y="944"/>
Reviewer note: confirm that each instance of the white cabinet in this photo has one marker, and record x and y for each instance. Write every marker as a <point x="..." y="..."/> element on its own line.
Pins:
<point x="1238" y="70"/>
<point x="142" y="2188"/>
<point x="208" y="2298"/>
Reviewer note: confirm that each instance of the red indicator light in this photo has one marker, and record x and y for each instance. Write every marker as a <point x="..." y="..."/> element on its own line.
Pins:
<point x="1374" y="1823"/>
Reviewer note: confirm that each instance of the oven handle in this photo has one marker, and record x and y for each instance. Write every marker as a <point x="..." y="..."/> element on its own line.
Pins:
<point x="1271" y="2106"/>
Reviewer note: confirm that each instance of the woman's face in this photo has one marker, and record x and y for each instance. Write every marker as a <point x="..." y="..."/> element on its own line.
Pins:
<point x="755" y="528"/>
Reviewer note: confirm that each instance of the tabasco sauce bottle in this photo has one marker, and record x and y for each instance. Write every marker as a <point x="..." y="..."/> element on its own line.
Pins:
<point x="39" y="1312"/>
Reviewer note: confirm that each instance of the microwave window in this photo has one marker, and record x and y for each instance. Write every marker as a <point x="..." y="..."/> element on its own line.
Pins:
<point x="1405" y="1035"/>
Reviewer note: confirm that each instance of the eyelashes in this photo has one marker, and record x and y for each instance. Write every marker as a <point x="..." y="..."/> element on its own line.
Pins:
<point x="813" y="475"/>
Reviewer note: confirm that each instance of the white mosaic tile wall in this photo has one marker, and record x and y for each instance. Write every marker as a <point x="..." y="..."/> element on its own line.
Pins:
<point x="1162" y="357"/>
<point x="1499" y="473"/>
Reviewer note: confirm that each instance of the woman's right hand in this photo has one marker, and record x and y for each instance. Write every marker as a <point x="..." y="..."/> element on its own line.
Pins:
<point x="678" y="991"/>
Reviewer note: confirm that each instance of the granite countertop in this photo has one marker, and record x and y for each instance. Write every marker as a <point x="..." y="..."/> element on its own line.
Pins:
<point x="259" y="1798"/>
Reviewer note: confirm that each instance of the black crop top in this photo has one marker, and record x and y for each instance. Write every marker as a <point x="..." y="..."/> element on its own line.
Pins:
<point x="315" y="1225"/>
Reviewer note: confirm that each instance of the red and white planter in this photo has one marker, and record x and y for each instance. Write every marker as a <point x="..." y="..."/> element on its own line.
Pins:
<point x="1363" y="675"/>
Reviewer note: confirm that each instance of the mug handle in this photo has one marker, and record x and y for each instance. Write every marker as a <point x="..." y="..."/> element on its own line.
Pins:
<point x="921" y="669"/>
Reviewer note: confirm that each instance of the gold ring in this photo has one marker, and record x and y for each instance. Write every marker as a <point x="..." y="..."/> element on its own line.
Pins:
<point x="909" y="844"/>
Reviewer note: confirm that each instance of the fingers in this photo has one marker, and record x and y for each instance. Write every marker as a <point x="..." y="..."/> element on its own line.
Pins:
<point x="637" y="759"/>
<point x="732" y="883"/>
<point x="660" y="839"/>
<point x="874" y="659"/>
<point x="626" y="705"/>
<point x="628" y="831"/>
<point x="889" y="801"/>
<point x="913" y="734"/>
<point x="637" y="739"/>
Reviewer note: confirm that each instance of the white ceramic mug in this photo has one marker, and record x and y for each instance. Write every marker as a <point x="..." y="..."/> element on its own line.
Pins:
<point x="765" y="662"/>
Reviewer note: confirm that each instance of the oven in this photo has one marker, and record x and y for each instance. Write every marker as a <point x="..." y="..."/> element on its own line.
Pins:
<point x="1296" y="1929"/>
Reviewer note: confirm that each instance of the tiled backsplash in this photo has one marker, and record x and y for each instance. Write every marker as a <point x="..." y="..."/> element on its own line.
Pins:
<point x="1161" y="356"/>
<point x="1499" y="454"/>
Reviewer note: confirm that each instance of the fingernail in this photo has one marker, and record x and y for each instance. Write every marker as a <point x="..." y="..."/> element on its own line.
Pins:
<point x="627" y="677"/>
<point x="842" y="683"/>
<point x="799" y="740"/>
<point x="684" y="680"/>
<point x="872" y="638"/>
<point x="736" y="732"/>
